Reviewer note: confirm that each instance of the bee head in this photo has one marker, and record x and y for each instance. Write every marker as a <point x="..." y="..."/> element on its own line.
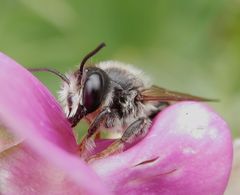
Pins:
<point x="82" y="91"/>
<point x="85" y="91"/>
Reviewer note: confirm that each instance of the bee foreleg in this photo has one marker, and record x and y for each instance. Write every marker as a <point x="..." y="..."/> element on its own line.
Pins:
<point x="135" y="131"/>
<point x="87" y="144"/>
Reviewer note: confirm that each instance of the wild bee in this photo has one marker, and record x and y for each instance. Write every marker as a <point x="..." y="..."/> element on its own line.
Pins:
<point x="115" y="96"/>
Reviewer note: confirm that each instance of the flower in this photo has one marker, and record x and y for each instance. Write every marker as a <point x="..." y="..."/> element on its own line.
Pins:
<point x="188" y="149"/>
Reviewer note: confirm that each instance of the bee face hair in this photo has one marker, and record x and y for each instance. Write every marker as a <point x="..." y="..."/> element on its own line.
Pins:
<point x="70" y="95"/>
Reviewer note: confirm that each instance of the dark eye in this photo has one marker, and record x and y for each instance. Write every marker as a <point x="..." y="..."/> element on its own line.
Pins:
<point x="93" y="91"/>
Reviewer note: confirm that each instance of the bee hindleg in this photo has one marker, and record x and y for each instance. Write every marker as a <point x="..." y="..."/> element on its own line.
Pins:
<point x="87" y="144"/>
<point x="135" y="131"/>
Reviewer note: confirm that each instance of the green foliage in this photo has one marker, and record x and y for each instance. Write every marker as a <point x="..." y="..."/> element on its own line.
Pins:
<point x="190" y="46"/>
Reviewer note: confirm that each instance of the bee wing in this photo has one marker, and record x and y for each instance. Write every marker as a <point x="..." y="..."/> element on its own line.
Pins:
<point x="155" y="93"/>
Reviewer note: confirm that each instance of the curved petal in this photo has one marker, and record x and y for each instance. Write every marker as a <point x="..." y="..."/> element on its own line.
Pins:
<point x="31" y="112"/>
<point x="25" y="100"/>
<point x="187" y="151"/>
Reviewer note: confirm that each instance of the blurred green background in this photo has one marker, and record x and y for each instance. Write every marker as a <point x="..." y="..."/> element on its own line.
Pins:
<point x="185" y="45"/>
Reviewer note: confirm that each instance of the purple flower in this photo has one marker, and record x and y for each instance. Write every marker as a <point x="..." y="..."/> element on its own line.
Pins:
<point x="188" y="149"/>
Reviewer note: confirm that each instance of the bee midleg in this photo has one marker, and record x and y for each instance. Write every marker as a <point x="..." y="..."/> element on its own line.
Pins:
<point x="135" y="131"/>
<point x="87" y="144"/>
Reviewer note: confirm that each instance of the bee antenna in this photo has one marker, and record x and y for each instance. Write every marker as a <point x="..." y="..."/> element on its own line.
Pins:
<point x="59" y="74"/>
<point x="89" y="55"/>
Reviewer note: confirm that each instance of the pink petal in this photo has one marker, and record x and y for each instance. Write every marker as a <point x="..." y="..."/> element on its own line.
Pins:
<point x="187" y="151"/>
<point x="32" y="113"/>
<point x="24" y="99"/>
<point x="22" y="171"/>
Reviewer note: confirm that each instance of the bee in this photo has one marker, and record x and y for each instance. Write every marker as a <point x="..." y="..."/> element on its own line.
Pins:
<point x="113" y="96"/>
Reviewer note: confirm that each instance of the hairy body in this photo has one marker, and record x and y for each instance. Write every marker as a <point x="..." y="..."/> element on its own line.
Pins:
<point x="122" y="101"/>
<point x="114" y="96"/>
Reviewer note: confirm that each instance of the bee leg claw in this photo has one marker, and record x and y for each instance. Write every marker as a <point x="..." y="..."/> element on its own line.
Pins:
<point x="114" y="148"/>
<point x="87" y="145"/>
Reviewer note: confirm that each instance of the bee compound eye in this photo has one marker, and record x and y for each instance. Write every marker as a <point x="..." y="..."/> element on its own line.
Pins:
<point x="93" y="91"/>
